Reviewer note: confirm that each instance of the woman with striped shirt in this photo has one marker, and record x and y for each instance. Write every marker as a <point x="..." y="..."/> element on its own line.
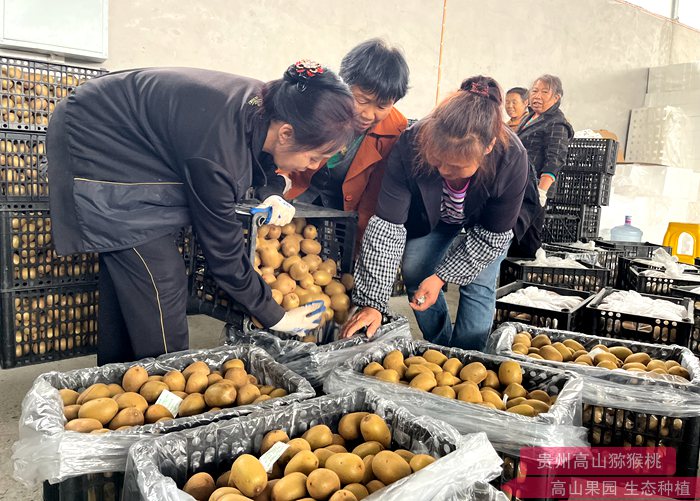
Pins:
<point x="450" y="197"/>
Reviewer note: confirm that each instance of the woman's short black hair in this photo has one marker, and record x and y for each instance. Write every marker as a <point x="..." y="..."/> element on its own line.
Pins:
<point x="376" y="68"/>
<point x="521" y="91"/>
<point x="320" y="109"/>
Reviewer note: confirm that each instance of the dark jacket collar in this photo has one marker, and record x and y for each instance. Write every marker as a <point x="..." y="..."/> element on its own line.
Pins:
<point x="256" y="131"/>
<point x="552" y="115"/>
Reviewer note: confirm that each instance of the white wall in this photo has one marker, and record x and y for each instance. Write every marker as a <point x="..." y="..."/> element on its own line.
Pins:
<point x="600" y="48"/>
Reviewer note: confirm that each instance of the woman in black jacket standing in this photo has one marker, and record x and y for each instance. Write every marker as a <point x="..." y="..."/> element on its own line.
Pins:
<point x="545" y="133"/>
<point x="136" y="155"/>
<point x="458" y="168"/>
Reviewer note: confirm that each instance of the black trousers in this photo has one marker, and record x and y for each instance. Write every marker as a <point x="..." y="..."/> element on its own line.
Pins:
<point x="531" y="240"/>
<point x="143" y="301"/>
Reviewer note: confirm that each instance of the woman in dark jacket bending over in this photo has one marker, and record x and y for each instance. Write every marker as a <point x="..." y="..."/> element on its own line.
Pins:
<point x="458" y="168"/>
<point x="136" y="155"/>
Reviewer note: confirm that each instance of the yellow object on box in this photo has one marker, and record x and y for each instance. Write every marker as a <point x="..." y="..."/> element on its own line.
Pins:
<point x="673" y="236"/>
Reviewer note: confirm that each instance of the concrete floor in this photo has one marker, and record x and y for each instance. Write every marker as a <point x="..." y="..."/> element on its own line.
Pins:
<point x="205" y="332"/>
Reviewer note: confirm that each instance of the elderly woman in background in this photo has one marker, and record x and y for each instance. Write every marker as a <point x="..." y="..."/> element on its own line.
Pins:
<point x="545" y="133"/>
<point x="516" y="107"/>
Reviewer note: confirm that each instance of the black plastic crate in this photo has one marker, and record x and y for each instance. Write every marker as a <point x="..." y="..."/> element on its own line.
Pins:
<point x="48" y="323"/>
<point x="592" y="154"/>
<point x="578" y="187"/>
<point x="591" y="278"/>
<point x="183" y="240"/>
<point x="687" y="292"/>
<point x="561" y="228"/>
<point x="28" y="257"/>
<point x="618" y="427"/>
<point x="589" y="216"/>
<point x="539" y="317"/>
<point x="399" y="288"/>
<point x="30" y="90"/>
<point x="93" y="487"/>
<point x="660" y="286"/>
<point x="606" y="258"/>
<point x="607" y="323"/>
<point x="336" y="234"/>
<point x="628" y="250"/>
<point x="632" y="249"/>
<point x="23" y="167"/>
<point x="590" y="221"/>
<point x="514" y="469"/>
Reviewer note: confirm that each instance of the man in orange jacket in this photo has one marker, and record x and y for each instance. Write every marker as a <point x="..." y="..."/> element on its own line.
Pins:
<point x="350" y="180"/>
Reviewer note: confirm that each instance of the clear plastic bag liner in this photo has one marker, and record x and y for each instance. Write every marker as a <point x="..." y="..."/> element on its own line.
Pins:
<point x="311" y="361"/>
<point x="558" y="427"/>
<point x="586" y="253"/>
<point x="634" y="303"/>
<point x="672" y="268"/>
<point x="541" y="259"/>
<point x="541" y="298"/>
<point x="45" y="451"/>
<point x="635" y="391"/>
<point x="157" y="467"/>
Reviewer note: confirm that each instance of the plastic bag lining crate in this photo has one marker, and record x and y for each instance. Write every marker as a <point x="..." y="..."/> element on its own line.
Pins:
<point x="561" y="228"/>
<point x="93" y="487"/>
<point x="49" y="323"/>
<point x="23" y="166"/>
<point x="336" y="234"/>
<point x="582" y="188"/>
<point x="540" y="317"/>
<point x="156" y="468"/>
<point x="660" y="286"/>
<point x="592" y="154"/>
<point x="28" y="258"/>
<point x="315" y="361"/>
<point x="591" y="278"/>
<point x="687" y="292"/>
<point x="607" y="258"/>
<point x="501" y="341"/>
<point x="614" y="410"/>
<point x="46" y="452"/>
<point x="30" y="90"/>
<point x="643" y="328"/>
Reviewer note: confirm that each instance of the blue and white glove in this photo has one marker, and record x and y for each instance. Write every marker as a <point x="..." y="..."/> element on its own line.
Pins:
<point x="279" y="211"/>
<point x="299" y="320"/>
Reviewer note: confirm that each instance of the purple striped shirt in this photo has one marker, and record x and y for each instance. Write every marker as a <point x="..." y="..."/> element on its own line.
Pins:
<point x="452" y="205"/>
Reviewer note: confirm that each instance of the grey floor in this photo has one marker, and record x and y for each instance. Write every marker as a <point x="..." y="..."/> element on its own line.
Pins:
<point x="205" y="332"/>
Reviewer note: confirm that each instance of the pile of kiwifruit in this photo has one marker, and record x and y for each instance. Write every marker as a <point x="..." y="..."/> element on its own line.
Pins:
<point x="287" y="258"/>
<point x="448" y="377"/>
<point x="101" y="408"/>
<point x="607" y="357"/>
<point x="320" y="465"/>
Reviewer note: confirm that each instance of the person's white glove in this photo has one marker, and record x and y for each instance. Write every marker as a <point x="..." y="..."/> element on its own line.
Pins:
<point x="299" y="320"/>
<point x="543" y="196"/>
<point x="280" y="212"/>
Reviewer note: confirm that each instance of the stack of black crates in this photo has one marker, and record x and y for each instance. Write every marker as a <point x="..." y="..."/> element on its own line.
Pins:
<point x="582" y="188"/>
<point x="48" y="303"/>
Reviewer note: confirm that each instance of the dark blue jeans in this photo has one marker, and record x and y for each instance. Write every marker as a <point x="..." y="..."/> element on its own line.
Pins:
<point x="477" y="301"/>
